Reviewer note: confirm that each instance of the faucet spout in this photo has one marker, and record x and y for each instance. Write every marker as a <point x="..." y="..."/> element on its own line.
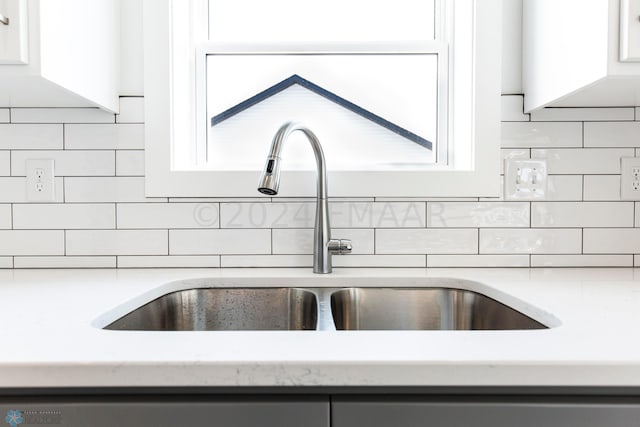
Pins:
<point x="323" y="245"/>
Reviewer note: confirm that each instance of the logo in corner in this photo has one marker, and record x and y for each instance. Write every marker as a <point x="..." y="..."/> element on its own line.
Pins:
<point x="14" y="418"/>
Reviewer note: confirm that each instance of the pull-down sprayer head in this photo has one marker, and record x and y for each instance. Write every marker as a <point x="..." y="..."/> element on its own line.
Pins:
<point x="270" y="178"/>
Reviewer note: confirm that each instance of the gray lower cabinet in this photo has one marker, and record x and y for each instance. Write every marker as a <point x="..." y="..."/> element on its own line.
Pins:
<point x="422" y="412"/>
<point x="171" y="412"/>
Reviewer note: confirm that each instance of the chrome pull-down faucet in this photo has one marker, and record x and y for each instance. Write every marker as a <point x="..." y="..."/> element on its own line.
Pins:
<point x="323" y="245"/>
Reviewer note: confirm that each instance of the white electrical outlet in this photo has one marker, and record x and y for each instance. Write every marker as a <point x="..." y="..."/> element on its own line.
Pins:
<point x="630" y="178"/>
<point x="40" y="180"/>
<point x="525" y="179"/>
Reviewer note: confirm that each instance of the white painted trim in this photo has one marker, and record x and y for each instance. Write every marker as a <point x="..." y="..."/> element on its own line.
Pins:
<point x="481" y="181"/>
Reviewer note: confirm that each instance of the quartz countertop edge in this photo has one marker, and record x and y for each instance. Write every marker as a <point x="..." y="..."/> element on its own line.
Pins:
<point x="52" y="333"/>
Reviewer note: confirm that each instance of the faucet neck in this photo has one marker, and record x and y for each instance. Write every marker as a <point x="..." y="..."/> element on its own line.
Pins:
<point x="278" y="141"/>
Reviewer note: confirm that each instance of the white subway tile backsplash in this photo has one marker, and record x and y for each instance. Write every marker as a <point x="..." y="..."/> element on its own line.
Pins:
<point x="168" y="215"/>
<point x="5" y="163"/>
<point x="106" y="221"/>
<point x="104" y="136"/>
<point x="612" y="134"/>
<point x="241" y="261"/>
<point x="534" y="241"/>
<point x="130" y="163"/>
<point x="513" y="108"/>
<point x="68" y="163"/>
<point x="583" y="161"/>
<point x="116" y="242"/>
<point x="174" y="261"/>
<point x="31" y="242"/>
<point x="31" y="137"/>
<point x="302" y="215"/>
<point x="477" y="214"/>
<point x="219" y="242"/>
<point x="61" y="115"/>
<point x="378" y="215"/>
<point x="541" y="134"/>
<point x="306" y="261"/>
<point x="581" y="260"/>
<point x="267" y="215"/>
<point x="477" y="261"/>
<point x="106" y="189"/>
<point x="64" y="216"/>
<point x="583" y="114"/>
<point x="65" y="262"/>
<point x="582" y="214"/>
<point x="612" y="240"/>
<point x="14" y="190"/>
<point x="564" y="188"/>
<point x="602" y="187"/>
<point x="426" y="241"/>
<point x="131" y="110"/>
<point x="390" y="261"/>
<point x="289" y="241"/>
<point x="5" y="216"/>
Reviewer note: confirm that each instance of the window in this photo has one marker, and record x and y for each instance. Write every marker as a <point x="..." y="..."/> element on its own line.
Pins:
<point x="369" y="80"/>
<point x="416" y="114"/>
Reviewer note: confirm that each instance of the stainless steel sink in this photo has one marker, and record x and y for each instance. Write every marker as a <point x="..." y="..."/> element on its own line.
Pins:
<point x="423" y="309"/>
<point x="295" y="309"/>
<point x="222" y="309"/>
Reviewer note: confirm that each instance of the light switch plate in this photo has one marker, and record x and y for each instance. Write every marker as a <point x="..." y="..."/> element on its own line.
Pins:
<point x="525" y="179"/>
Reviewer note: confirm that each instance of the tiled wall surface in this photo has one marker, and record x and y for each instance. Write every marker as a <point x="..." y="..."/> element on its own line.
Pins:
<point x="102" y="219"/>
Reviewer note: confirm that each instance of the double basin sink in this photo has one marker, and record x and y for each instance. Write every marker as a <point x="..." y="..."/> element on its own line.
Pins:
<point x="298" y="309"/>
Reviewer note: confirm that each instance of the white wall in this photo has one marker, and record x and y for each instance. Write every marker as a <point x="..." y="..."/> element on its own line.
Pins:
<point x="131" y="45"/>
<point x="512" y="47"/>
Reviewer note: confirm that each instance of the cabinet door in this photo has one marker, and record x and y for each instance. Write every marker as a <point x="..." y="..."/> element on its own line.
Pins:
<point x="347" y="412"/>
<point x="167" y="412"/>
<point x="629" y="30"/>
<point x="13" y="32"/>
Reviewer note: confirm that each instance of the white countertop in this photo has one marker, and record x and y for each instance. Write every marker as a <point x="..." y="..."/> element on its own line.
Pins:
<point x="51" y="334"/>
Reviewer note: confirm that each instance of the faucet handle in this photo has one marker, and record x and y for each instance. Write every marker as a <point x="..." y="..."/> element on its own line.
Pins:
<point x="339" y="246"/>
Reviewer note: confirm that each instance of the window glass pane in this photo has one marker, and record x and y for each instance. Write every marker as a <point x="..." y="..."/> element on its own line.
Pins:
<point x="369" y="111"/>
<point x="321" y="21"/>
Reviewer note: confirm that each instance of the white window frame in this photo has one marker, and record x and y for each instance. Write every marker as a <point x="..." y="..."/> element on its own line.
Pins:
<point x="171" y="117"/>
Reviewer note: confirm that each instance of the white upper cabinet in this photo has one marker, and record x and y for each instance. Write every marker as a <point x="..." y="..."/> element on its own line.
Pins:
<point x="13" y="32"/>
<point x="581" y="53"/>
<point x="62" y="53"/>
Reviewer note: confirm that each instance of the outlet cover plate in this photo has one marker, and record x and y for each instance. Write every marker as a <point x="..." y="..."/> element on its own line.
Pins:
<point x="40" y="180"/>
<point x="525" y="179"/>
<point x="629" y="184"/>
